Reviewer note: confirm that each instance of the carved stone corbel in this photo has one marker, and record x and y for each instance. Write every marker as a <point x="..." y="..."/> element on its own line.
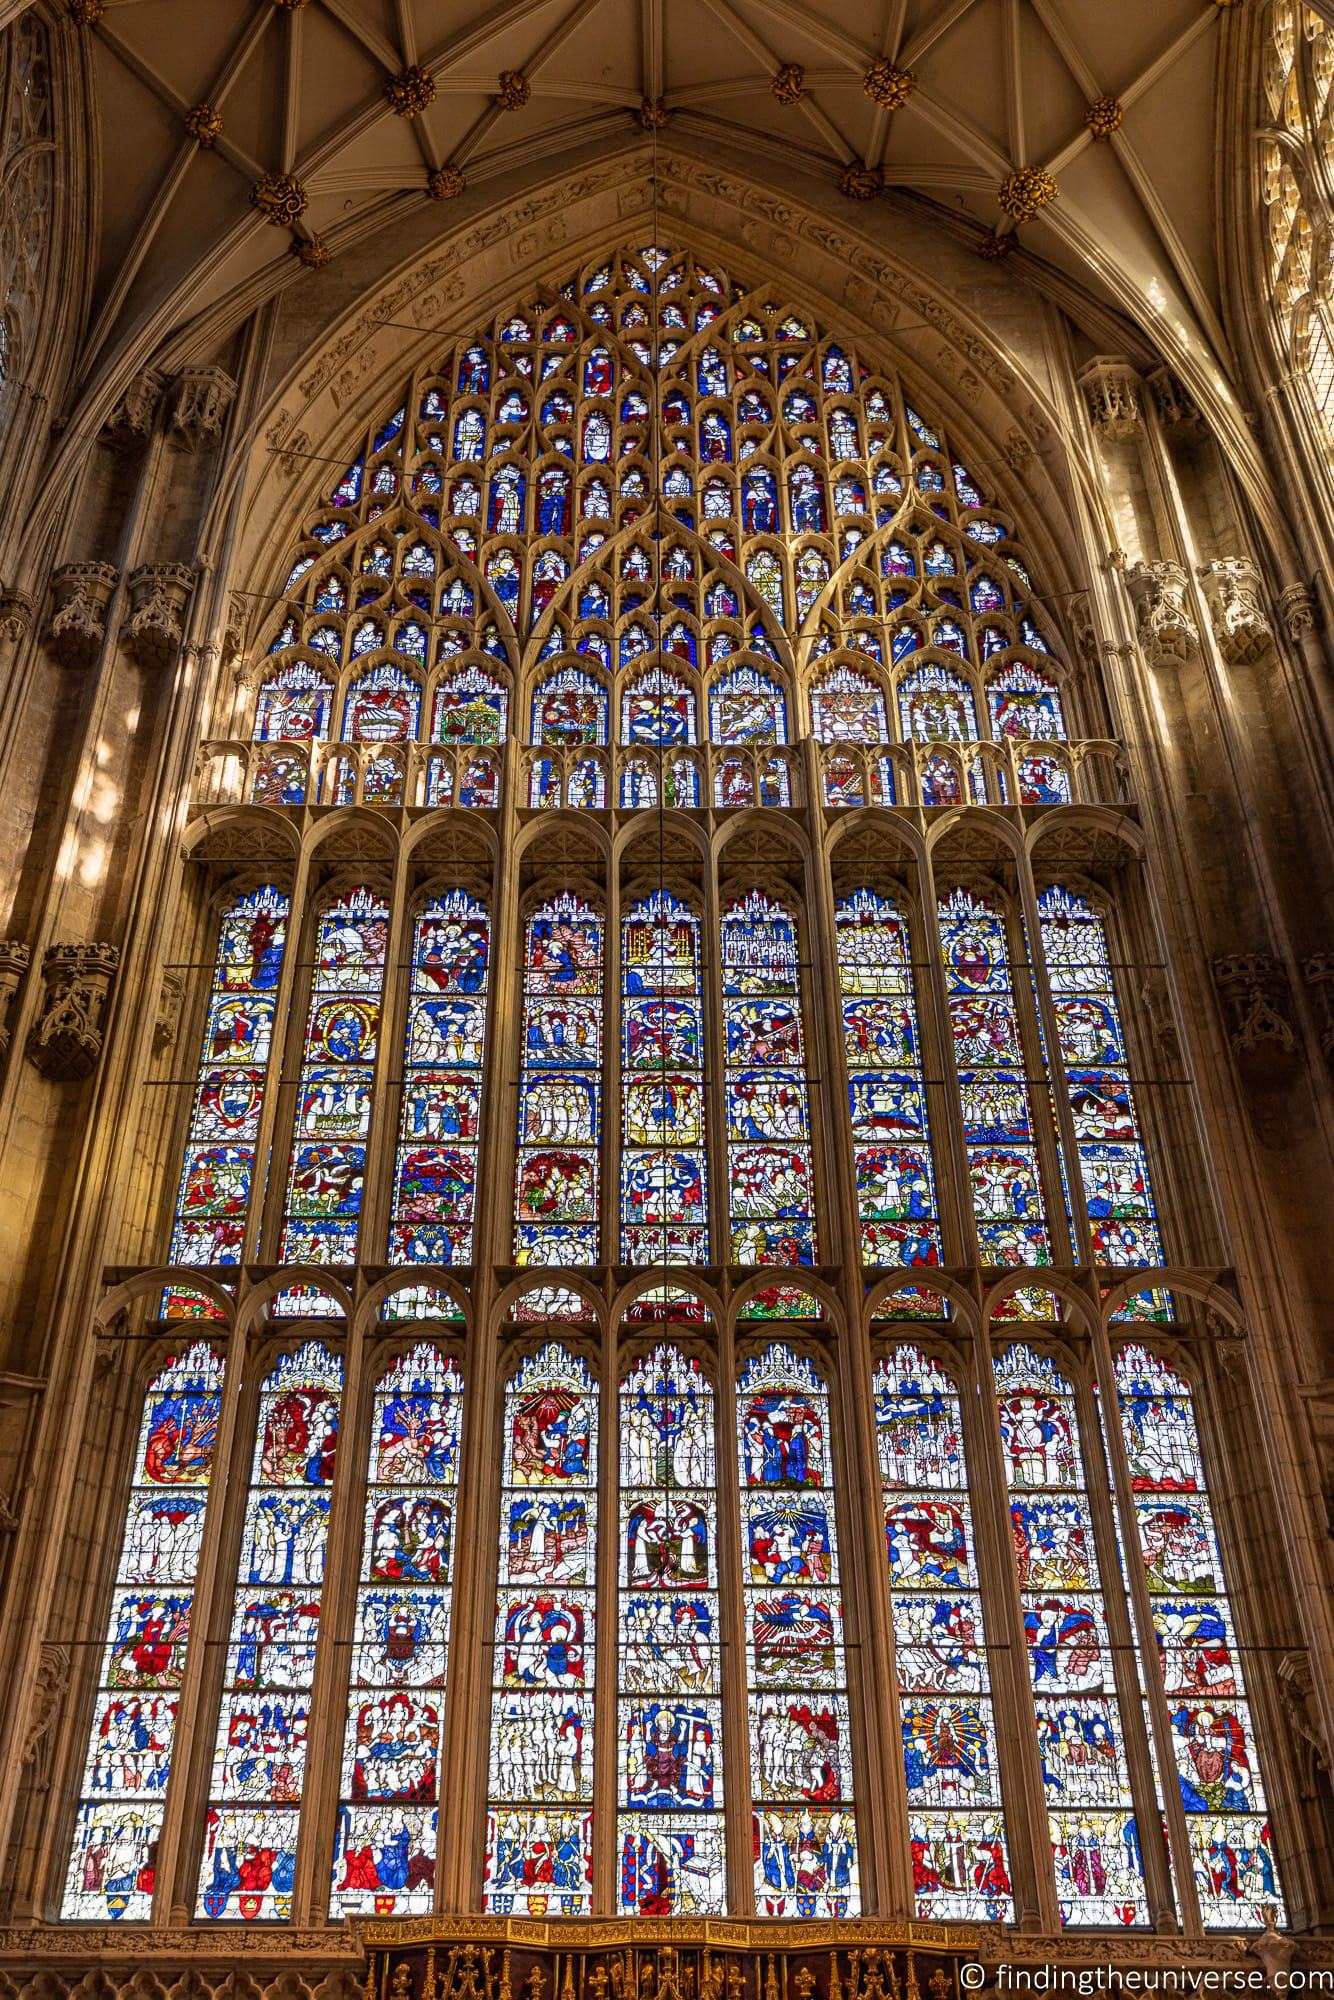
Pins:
<point x="1297" y="609"/>
<point x="1234" y="592"/>
<point x="1296" y="1687"/>
<point x="81" y="593"/>
<point x="1112" y="392"/>
<point x="233" y="635"/>
<point x="201" y="398"/>
<point x="1174" y="403"/>
<point x="132" y="420"/>
<point x="16" y="610"/>
<point x="50" y="1685"/>
<point x="14" y="960"/>
<point x="168" y="1020"/>
<point x="158" y="596"/>
<point x="1257" y="1007"/>
<point x="1161" y="595"/>
<point x="1318" y="972"/>
<point x="65" y="1041"/>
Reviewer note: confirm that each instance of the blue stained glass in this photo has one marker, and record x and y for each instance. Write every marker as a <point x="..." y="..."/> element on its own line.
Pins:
<point x="1003" y="1173"/>
<point x="539" y="1856"/>
<point x="770" y="1191"/>
<point x="435" y="1182"/>
<point x="325" y="1179"/>
<point x="955" y="1822"/>
<point x="570" y="706"/>
<point x="557" y="1189"/>
<point x="385" y="1843"/>
<point x="1081" y="1742"/>
<point x="800" y="1749"/>
<point x="896" y="1194"/>
<point x="218" y="1170"/>
<point x="746" y="706"/>
<point x="664" y="1176"/>
<point x="112" y="1867"/>
<point x="670" y="1770"/>
<point x="259" y="1763"/>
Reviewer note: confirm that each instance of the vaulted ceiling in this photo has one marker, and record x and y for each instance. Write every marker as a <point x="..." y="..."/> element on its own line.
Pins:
<point x="973" y="90"/>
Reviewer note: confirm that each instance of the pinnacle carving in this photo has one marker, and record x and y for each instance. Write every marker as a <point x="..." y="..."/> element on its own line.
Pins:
<point x="1161" y="593"/>
<point x="81" y="592"/>
<point x="1237" y="611"/>
<point x="201" y="398"/>
<point x="1112" y="392"/>
<point x="65" y="1042"/>
<point x="158" y="594"/>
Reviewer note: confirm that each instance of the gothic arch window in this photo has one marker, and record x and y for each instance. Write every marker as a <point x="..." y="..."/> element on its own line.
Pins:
<point x="664" y="574"/>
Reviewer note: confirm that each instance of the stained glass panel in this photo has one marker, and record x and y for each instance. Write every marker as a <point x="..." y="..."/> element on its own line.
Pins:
<point x="539" y="1840"/>
<point x="896" y="1191"/>
<point x="956" y="1824"/>
<point x="1003" y="1172"/>
<point x="669" y="1792"/>
<point x="560" y="1086"/>
<point x="1090" y="1808"/>
<point x="770" y="1194"/>
<point x="664" y="1175"/>
<point x="217" y="1176"/>
<point x="1213" y="1734"/>
<point x="1112" y="1164"/>
<point x="805" y="1832"/>
<point x="435" y="1182"/>
<point x="385" y="1843"/>
<point x="112" y="1868"/>
<point x="259" y="1762"/>
<point x="324" y="1186"/>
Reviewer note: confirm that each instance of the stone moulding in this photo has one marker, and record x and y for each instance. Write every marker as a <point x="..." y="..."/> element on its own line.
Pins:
<point x="81" y="592"/>
<point x="65" y="1042"/>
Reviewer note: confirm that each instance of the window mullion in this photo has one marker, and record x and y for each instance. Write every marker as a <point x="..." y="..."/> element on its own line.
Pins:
<point x="386" y="1096"/>
<point x="737" y="1801"/>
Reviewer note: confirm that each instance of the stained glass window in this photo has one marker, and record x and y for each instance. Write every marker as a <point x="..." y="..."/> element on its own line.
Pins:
<point x="333" y="1107"/>
<point x="112" y="1867"/>
<point x="770" y="1199"/>
<point x="1090" y="1809"/>
<point x="560" y="1086"/>
<point x="217" y="1176"/>
<point x="435" y="1183"/>
<point x="293" y="706"/>
<point x="956" y="1826"/>
<point x="664" y="1176"/>
<point x="1114" y="1171"/>
<point x="800" y="1733"/>
<point x="896" y="1191"/>
<point x="385" y="1845"/>
<point x="670" y="1832"/>
<point x="539" y="1842"/>
<point x="1213" y="1735"/>
<point x="998" y="1130"/>
<point x="259" y="1763"/>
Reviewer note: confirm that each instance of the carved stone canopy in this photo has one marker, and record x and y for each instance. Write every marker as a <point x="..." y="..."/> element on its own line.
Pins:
<point x="16" y="609"/>
<point x="1112" y="392"/>
<point x="158" y="596"/>
<point x="65" y="1041"/>
<point x="1173" y="401"/>
<point x="201" y="398"/>
<point x="1298" y="610"/>
<point x="1253" y="988"/>
<point x="14" y="958"/>
<point x="133" y="417"/>
<point x="1237" y="610"/>
<point x="1318" y="971"/>
<point x="81" y="592"/>
<point x="1161" y="593"/>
